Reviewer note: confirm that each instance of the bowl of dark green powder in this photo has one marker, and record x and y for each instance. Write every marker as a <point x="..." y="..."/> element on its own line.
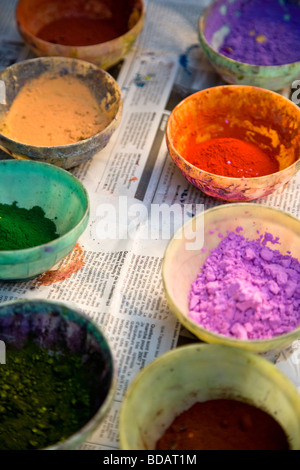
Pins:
<point x="43" y="211"/>
<point x="57" y="376"/>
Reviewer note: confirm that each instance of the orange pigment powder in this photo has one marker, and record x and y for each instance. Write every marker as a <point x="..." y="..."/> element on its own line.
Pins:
<point x="230" y="157"/>
<point x="53" y="111"/>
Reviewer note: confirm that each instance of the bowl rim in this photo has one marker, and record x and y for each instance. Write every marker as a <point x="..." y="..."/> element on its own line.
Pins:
<point x="192" y="325"/>
<point x="67" y="175"/>
<point x="138" y="25"/>
<point x="57" y="60"/>
<point x="95" y="420"/>
<point x="252" y="67"/>
<point x="261" y="90"/>
<point x="256" y="361"/>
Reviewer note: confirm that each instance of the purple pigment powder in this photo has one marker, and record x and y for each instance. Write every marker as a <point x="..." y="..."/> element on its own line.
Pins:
<point x="260" y="32"/>
<point x="247" y="290"/>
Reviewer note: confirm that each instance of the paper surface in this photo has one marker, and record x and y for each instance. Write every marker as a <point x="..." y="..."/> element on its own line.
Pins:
<point x="114" y="272"/>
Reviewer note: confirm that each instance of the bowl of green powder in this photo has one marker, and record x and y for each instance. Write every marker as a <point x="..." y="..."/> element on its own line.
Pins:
<point x="43" y="212"/>
<point x="57" y="376"/>
<point x="231" y="275"/>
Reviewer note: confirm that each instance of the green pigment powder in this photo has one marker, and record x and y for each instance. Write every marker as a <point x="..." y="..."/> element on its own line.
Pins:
<point x="24" y="228"/>
<point x="44" y="398"/>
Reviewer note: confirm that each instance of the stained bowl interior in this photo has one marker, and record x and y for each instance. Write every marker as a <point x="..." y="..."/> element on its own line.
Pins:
<point x="190" y="246"/>
<point x="60" y="329"/>
<point x="252" y="114"/>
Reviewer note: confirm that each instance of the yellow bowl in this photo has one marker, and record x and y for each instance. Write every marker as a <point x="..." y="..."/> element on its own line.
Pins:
<point x="176" y="380"/>
<point x="261" y="116"/>
<point x="33" y="15"/>
<point x="185" y="255"/>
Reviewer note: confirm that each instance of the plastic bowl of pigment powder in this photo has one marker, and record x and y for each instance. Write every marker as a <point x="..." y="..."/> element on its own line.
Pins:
<point x="235" y="142"/>
<point x="218" y="379"/>
<point x="58" y="110"/>
<point x="58" y="376"/>
<point x="43" y="212"/>
<point x="98" y="31"/>
<point x="231" y="276"/>
<point x="250" y="42"/>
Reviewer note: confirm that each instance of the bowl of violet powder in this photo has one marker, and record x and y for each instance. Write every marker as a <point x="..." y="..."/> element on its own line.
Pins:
<point x="232" y="274"/>
<point x="250" y="42"/>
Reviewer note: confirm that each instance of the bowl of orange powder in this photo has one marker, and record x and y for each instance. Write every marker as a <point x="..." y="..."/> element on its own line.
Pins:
<point x="99" y="31"/>
<point x="58" y="110"/>
<point x="235" y="142"/>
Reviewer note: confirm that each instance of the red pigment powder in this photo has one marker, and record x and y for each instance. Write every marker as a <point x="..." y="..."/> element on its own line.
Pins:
<point x="247" y="290"/>
<point x="230" y="157"/>
<point x="81" y="31"/>
<point x="223" y="424"/>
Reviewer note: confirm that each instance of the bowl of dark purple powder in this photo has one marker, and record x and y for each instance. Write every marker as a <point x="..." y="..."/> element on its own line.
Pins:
<point x="252" y="42"/>
<point x="232" y="275"/>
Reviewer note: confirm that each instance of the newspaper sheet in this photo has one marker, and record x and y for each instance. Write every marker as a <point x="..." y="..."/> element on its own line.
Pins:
<point x="114" y="272"/>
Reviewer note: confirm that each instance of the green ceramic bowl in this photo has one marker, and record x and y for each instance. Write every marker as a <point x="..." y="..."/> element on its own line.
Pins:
<point x="102" y="86"/>
<point x="179" y="378"/>
<point x="274" y="77"/>
<point x="63" y="199"/>
<point x="32" y="15"/>
<point x="190" y="246"/>
<point x="59" y="328"/>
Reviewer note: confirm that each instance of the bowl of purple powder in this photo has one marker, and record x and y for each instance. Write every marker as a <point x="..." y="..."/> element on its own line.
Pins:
<point x="251" y="42"/>
<point x="232" y="276"/>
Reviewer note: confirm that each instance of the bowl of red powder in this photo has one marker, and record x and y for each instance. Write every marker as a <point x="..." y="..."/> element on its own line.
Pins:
<point x="209" y="397"/>
<point x="98" y="31"/>
<point x="250" y="42"/>
<point x="43" y="212"/>
<point x="58" y="110"/>
<point x="232" y="273"/>
<point x="235" y="142"/>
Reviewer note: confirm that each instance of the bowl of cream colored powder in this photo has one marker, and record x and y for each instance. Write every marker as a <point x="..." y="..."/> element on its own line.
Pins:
<point x="58" y="110"/>
<point x="232" y="274"/>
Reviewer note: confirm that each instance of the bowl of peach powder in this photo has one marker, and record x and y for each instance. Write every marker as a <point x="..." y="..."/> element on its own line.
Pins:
<point x="58" y="110"/>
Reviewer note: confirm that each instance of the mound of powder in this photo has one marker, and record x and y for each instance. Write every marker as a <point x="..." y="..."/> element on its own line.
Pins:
<point x="50" y="111"/>
<point x="247" y="290"/>
<point x="256" y="32"/>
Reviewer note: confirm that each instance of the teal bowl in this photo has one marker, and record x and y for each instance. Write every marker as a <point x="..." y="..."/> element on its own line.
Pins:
<point x="100" y="83"/>
<point x="272" y="77"/>
<point x="63" y="199"/>
<point x="61" y="331"/>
